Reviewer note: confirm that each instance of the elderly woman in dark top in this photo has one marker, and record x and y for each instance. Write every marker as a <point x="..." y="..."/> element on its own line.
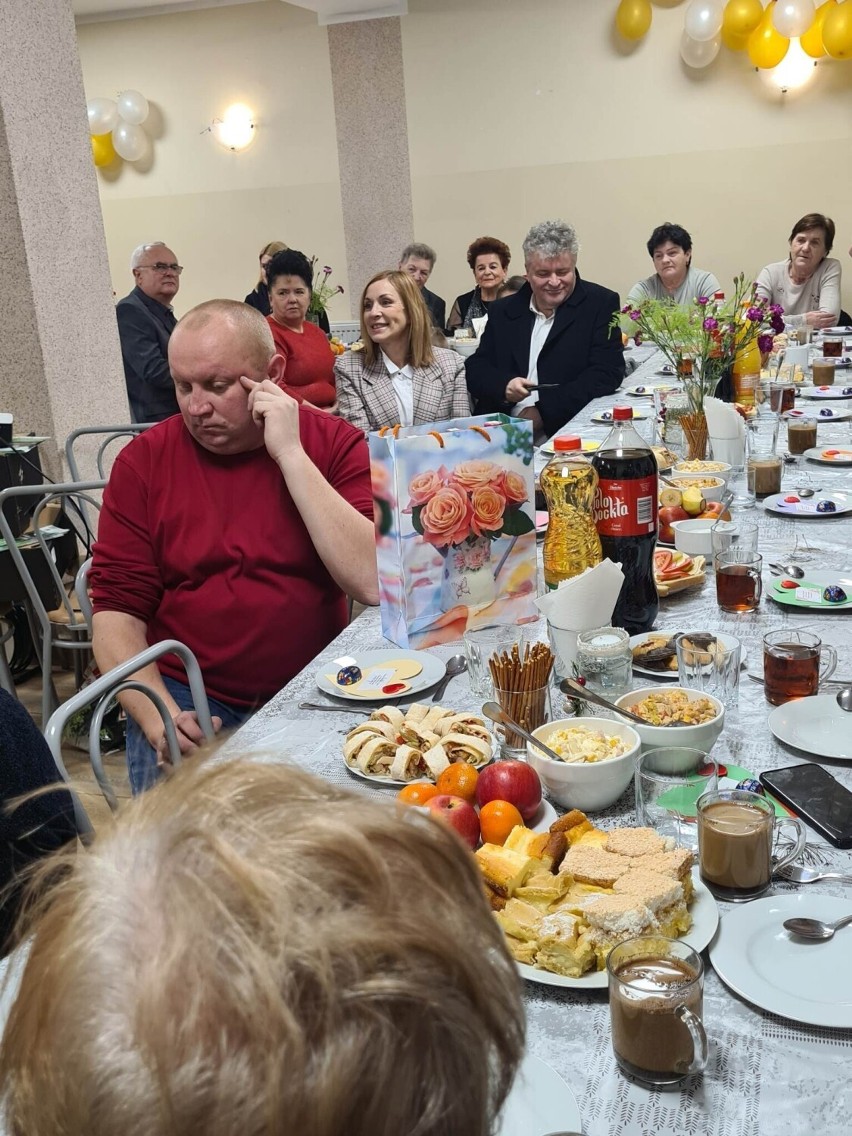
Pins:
<point x="488" y="259"/>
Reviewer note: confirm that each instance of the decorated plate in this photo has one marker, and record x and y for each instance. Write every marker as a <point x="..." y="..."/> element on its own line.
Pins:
<point x="605" y="416"/>
<point x="791" y="505"/>
<point x="648" y="390"/>
<point x="808" y="592"/>
<point x="705" y="919"/>
<point x="830" y="455"/>
<point x="728" y="641"/>
<point x="666" y="369"/>
<point x="834" y="392"/>
<point x="417" y="671"/>
<point x="824" y="414"/>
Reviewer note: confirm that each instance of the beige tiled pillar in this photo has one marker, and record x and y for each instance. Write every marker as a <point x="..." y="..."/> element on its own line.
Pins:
<point x="372" y="146"/>
<point x="60" y="361"/>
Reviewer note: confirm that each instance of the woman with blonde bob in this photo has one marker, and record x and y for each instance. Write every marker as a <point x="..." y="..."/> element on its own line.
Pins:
<point x="250" y="951"/>
<point x="398" y="377"/>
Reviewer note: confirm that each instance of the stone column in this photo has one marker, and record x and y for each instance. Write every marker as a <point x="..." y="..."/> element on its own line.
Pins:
<point x="372" y="146"/>
<point x="60" y="360"/>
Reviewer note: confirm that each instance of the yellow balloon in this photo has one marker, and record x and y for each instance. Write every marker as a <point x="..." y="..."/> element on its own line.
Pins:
<point x="837" y="31"/>
<point x="103" y="151"/>
<point x="766" y="46"/>
<point x="633" y="18"/>
<point x="741" y="18"/>
<point x="734" y="42"/>
<point x="811" y="41"/>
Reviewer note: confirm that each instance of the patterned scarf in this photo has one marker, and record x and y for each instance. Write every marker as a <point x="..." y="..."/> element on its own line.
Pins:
<point x="476" y="310"/>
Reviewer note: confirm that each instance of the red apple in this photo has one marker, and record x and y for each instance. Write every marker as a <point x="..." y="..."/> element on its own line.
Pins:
<point x="665" y="517"/>
<point x="512" y="781"/>
<point x="458" y="814"/>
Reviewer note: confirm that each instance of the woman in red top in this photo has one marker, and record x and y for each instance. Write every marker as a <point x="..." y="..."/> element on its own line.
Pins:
<point x="309" y="376"/>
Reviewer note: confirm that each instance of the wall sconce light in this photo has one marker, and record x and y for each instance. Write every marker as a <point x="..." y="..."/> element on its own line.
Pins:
<point x="794" y="71"/>
<point x="236" y="129"/>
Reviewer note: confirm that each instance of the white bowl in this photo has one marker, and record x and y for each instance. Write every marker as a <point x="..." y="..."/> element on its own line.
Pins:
<point x="708" y="492"/>
<point x="724" y="472"/>
<point x="702" y="736"/>
<point x="465" y="347"/>
<point x="693" y="536"/>
<point x="586" y="785"/>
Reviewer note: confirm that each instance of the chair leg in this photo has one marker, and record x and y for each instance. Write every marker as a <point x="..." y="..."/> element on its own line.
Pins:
<point x="6" y="681"/>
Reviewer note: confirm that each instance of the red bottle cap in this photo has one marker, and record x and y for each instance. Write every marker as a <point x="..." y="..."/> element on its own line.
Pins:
<point x="567" y="442"/>
<point x="718" y="295"/>
<point x="622" y="413"/>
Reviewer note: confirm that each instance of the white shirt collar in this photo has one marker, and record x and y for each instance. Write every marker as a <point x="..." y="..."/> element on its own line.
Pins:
<point x="540" y="315"/>
<point x="406" y="372"/>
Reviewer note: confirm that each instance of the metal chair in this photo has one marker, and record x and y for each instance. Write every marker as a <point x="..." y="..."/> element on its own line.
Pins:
<point x="112" y="434"/>
<point x="48" y="603"/>
<point x="101" y="693"/>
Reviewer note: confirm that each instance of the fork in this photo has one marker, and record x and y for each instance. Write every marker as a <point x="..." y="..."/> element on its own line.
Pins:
<point x="796" y="874"/>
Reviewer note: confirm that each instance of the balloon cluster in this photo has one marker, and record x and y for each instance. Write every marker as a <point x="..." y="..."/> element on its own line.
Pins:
<point x="745" y="25"/>
<point x="115" y="127"/>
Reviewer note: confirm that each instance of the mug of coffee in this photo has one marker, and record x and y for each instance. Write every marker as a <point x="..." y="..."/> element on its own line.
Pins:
<point x="656" y="1003"/>
<point x="736" y="830"/>
<point x="794" y="664"/>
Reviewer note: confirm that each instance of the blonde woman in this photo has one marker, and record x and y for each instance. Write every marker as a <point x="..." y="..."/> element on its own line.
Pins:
<point x="399" y="377"/>
<point x="259" y="298"/>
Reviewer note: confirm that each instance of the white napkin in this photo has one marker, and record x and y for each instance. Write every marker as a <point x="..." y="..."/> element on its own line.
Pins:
<point x="726" y="431"/>
<point x="584" y="601"/>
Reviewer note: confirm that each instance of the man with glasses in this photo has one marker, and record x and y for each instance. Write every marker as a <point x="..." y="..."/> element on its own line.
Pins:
<point x="145" y="323"/>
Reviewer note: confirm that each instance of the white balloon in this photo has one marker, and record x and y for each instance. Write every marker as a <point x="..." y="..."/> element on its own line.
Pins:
<point x="793" y="17"/>
<point x="103" y="115"/>
<point x="133" y="107"/>
<point x="703" y="19"/>
<point x="130" y="141"/>
<point x="697" y="53"/>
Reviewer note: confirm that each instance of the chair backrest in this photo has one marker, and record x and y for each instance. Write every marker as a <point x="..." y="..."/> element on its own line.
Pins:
<point x="81" y="590"/>
<point x="111" y="434"/>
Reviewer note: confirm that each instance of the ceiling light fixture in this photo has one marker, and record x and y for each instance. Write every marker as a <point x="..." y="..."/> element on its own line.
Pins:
<point x="236" y="130"/>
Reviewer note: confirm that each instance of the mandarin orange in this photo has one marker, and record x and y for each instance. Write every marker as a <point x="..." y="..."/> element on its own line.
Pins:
<point x="496" y="821"/>
<point x="459" y="780"/>
<point x="418" y="792"/>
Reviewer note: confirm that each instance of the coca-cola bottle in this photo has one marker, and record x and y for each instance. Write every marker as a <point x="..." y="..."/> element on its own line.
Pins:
<point x="626" y="518"/>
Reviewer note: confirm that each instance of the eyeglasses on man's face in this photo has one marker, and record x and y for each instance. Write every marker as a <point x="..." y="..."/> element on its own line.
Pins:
<point x="160" y="267"/>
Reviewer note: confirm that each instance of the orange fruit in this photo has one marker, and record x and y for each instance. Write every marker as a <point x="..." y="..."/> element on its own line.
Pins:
<point x="459" y="780"/>
<point x="418" y="792"/>
<point x="496" y="821"/>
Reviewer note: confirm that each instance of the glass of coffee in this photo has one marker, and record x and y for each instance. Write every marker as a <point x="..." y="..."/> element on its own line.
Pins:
<point x="801" y="434"/>
<point x="669" y="781"/>
<point x="794" y="664"/>
<point x="832" y="346"/>
<point x="656" y="1003"/>
<point x="736" y="830"/>
<point x="738" y="580"/>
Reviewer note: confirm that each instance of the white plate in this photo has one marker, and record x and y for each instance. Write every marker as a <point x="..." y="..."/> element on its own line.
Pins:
<point x="605" y="416"/>
<point x="820" y="579"/>
<point x="433" y="671"/>
<point x="824" y="414"/>
<point x="759" y="960"/>
<point x="816" y="455"/>
<point x="396" y="783"/>
<point x="647" y="390"/>
<point x="807" y="510"/>
<point x="705" y="918"/>
<point x="540" y="1102"/>
<point x="815" y="725"/>
<point x="545" y="816"/>
<point x="728" y="641"/>
<point x="666" y="369"/>
<point x="836" y="391"/>
<point x="844" y="330"/>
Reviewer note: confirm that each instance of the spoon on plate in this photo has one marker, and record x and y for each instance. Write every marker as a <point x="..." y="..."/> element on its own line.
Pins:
<point x="792" y="570"/>
<point x="844" y="699"/>
<point x="815" y="929"/>
<point x="806" y="492"/>
<point x="456" y="665"/>
<point x="496" y="713"/>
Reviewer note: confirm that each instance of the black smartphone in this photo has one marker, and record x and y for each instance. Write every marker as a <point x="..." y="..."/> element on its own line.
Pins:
<point x="817" y="797"/>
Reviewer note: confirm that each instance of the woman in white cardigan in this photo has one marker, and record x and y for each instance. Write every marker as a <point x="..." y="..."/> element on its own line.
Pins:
<point x="807" y="283"/>
<point x="398" y="378"/>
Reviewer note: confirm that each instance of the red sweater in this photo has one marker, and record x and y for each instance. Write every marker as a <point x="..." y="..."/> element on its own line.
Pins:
<point x="310" y="363"/>
<point x="211" y="550"/>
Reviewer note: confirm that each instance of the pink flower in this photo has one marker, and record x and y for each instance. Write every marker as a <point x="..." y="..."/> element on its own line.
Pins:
<point x="513" y="488"/>
<point x="471" y="474"/>
<point x="446" y="517"/>
<point x="423" y="486"/>
<point x="488" y="508"/>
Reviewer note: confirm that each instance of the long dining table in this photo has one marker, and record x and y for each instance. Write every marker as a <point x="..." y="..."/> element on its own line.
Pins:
<point x="767" y="1074"/>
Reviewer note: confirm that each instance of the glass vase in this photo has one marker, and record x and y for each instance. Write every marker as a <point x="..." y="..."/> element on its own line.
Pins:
<point x="694" y="428"/>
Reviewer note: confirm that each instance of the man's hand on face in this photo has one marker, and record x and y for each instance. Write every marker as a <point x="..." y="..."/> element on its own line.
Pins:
<point x="278" y="416"/>
<point x="189" y="735"/>
<point x="517" y="390"/>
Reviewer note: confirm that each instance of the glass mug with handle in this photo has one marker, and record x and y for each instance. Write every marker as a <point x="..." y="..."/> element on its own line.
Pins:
<point x="739" y="584"/>
<point x="793" y="665"/>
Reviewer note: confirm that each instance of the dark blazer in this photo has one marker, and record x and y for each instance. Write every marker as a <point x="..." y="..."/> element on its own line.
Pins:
<point x="144" y="328"/>
<point x="582" y="355"/>
<point x="259" y="299"/>
<point x="437" y="309"/>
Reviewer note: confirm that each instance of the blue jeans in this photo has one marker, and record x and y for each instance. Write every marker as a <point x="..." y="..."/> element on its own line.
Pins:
<point x="141" y="755"/>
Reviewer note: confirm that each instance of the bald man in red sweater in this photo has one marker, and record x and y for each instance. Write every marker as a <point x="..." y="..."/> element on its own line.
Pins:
<point x="238" y="528"/>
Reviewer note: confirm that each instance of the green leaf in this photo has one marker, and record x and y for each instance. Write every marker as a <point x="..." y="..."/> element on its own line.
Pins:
<point x="517" y="523"/>
<point x="385" y="516"/>
<point x="415" y="519"/>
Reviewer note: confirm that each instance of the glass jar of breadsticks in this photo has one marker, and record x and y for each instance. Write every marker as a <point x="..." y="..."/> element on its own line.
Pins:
<point x="521" y="679"/>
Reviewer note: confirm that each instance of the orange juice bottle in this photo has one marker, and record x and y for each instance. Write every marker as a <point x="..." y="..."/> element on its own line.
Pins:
<point x="571" y="543"/>
<point x="746" y="373"/>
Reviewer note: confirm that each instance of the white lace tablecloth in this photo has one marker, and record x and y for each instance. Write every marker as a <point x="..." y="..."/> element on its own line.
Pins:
<point x="766" y="1075"/>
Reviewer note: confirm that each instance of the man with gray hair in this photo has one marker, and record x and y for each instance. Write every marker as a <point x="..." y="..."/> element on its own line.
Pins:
<point x="145" y="323"/>
<point x="548" y="350"/>
<point x="417" y="261"/>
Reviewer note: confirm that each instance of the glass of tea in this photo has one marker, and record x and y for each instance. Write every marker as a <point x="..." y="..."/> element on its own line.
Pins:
<point x="794" y="664"/>
<point x="832" y="346"/>
<point x="738" y="580"/>
<point x="656" y="1003"/>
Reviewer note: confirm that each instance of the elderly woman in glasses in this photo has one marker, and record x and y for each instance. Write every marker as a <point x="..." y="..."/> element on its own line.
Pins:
<point x="309" y="376"/>
<point x="807" y="283"/>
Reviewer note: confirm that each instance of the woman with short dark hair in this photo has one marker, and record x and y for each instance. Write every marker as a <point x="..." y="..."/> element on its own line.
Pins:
<point x="488" y="259"/>
<point x="807" y="283"/>
<point x="670" y="248"/>
<point x="309" y="376"/>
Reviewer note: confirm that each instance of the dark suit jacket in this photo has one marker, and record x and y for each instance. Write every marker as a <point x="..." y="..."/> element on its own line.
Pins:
<point x="437" y="309"/>
<point x="144" y="328"/>
<point x="582" y="355"/>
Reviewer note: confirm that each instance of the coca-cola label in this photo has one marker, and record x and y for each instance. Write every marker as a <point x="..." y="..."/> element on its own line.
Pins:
<point x="626" y="507"/>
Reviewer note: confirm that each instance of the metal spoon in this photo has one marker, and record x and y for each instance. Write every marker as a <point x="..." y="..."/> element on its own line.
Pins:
<point x="805" y="492"/>
<point x="496" y="713"/>
<point x="844" y="699"/>
<point x="815" y="929"/>
<point x="574" y="690"/>
<point x="335" y="709"/>
<point x="456" y="665"/>
<point x="789" y="570"/>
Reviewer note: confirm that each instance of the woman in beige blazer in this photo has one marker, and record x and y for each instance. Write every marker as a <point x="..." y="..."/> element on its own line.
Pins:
<point x="399" y="377"/>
